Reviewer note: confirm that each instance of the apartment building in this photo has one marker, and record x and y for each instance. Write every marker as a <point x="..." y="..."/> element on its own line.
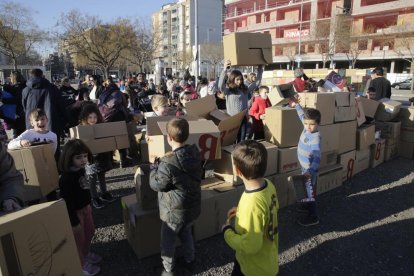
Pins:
<point x="175" y="24"/>
<point x="339" y="33"/>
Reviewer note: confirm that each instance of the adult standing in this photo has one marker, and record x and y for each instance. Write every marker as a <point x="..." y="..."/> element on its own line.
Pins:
<point x="96" y="88"/>
<point x="40" y="93"/>
<point x="15" y="88"/>
<point x="381" y="85"/>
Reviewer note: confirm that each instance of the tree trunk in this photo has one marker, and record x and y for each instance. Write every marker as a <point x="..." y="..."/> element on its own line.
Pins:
<point x="14" y="63"/>
<point x="324" y="63"/>
<point x="106" y="72"/>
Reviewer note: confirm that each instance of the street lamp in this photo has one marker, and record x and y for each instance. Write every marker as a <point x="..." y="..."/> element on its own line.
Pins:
<point x="298" y="58"/>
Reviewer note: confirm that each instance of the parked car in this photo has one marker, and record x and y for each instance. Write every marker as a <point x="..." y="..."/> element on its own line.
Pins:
<point x="406" y="84"/>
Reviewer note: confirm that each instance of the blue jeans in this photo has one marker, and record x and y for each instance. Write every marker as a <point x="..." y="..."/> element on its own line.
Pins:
<point x="311" y="195"/>
<point x="168" y="237"/>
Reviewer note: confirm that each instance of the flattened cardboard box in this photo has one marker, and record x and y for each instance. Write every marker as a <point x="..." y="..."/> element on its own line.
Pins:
<point x="389" y="129"/>
<point x="97" y="131"/>
<point x="282" y="126"/>
<point x="407" y="134"/>
<point x="248" y="48"/>
<point x="38" y="240"/>
<point x="370" y="106"/>
<point x="377" y="153"/>
<point x="407" y="150"/>
<point x="38" y="167"/>
<point x="329" y="179"/>
<point x="347" y="136"/>
<point x="347" y="160"/>
<point x="324" y="102"/>
<point x="360" y="111"/>
<point x="228" y="125"/>
<point x="406" y="116"/>
<point x="287" y="160"/>
<point x="284" y="189"/>
<point x="387" y="110"/>
<point x="101" y="145"/>
<point x="391" y="149"/>
<point x="362" y="158"/>
<point x="365" y="136"/>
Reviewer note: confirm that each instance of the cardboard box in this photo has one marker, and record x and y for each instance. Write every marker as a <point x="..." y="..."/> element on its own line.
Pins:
<point x="391" y="148"/>
<point x="248" y="48"/>
<point x="345" y="113"/>
<point x="204" y="134"/>
<point x="144" y="152"/>
<point x="389" y="129"/>
<point x="370" y="106"/>
<point x="285" y="191"/>
<point x="122" y="141"/>
<point x="387" y="110"/>
<point x="97" y="131"/>
<point x="329" y="137"/>
<point x="360" y="111"/>
<point x="362" y="160"/>
<point x="345" y="99"/>
<point x="101" y="145"/>
<point x="406" y="116"/>
<point x="329" y="178"/>
<point x="347" y="136"/>
<point x="38" y="240"/>
<point x="377" y="153"/>
<point x="287" y="160"/>
<point x="146" y="197"/>
<point x="228" y="125"/>
<point x="407" y="150"/>
<point x="365" y="136"/>
<point x="82" y="132"/>
<point x="407" y="134"/>
<point x="347" y="160"/>
<point x="38" y="166"/>
<point x="142" y="228"/>
<point x="282" y="126"/>
<point x="224" y="167"/>
<point x="328" y="158"/>
<point x="324" y="102"/>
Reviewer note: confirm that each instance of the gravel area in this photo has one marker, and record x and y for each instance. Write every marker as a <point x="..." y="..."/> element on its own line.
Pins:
<point x="366" y="228"/>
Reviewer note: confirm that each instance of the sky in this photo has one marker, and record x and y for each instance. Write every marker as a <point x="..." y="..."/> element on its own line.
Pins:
<point x="47" y="12"/>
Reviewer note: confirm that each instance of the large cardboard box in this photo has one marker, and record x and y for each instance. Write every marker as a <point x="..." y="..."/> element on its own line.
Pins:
<point x="407" y="134"/>
<point x="82" y="132"/>
<point x="287" y="160"/>
<point x="224" y="167"/>
<point x="204" y="134"/>
<point x="365" y="136"/>
<point x="388" y="129"/>
<point x="38" y="240"/>
<point x="329" y="137"/>
<point x="324" y="102"/>
<point x="284" y="189"/>
<point x="347" y="160"/>
<point x="228" y="125"/>
<point x="391" y="148"/>
<point x="360" y="111"/>
<point x="248" y="48"/>
<point x="282" y="126"/>
<point x="99" y="131"/>
<point x="370" y="106"/>
<point x="362" y="160"/>
<point x="347" y="136"/>
<point x="146" y="196"/>
<point x="345" y="99"/>
<point x="329" y="178"/>
<point x="407" y="150"/>
<point x="328" y="158"/>
<point x="142" y="228"/>
<point x="101" y="145"/>
<point x="377" y="153"/>
<point x="387" y="110"/>
<point x="37" y="164"/>
<point x="345" y="113"/>
<point x="406" y="116"/>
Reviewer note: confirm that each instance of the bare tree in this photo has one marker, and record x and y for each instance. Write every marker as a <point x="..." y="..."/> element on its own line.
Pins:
<point x="324" y="44"/>
<point x="183" y="58"/>
<point x="94" y="43"/>
<point x="290" y="52"/>
<point x="213" y="54"/>
<point x="18" y="32"/>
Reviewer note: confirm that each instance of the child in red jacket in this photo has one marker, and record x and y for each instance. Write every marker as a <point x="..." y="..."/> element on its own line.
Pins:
<point x="257" y="112"/>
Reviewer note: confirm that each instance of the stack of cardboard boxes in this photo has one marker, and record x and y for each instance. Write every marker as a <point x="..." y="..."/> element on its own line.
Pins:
<point x="406" y="117"/>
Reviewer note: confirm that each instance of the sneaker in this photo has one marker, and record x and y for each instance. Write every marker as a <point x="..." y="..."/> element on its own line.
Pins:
<point x="302" y="208"/>
<point x="93" y="258"/>
<point x="90" y="269"/>
<point x="181" y="261"/>
<point x="97" y="203"/>
<point x="308" y="221"/>
<point x="107" y="197"/>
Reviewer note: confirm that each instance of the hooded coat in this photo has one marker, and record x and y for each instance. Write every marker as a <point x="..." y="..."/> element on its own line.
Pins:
<point x="40" y="93"/>
<point x="177" y="180"/>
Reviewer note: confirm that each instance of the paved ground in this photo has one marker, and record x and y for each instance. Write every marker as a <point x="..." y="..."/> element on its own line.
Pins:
<point x="366" y="228"/>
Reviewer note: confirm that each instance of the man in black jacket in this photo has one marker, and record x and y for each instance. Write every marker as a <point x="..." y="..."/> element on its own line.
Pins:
<point x="382" y="85"/>
<point x="177" y="180"/>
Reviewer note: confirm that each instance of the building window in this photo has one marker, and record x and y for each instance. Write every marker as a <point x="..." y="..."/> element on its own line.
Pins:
<point x="311" y="48"/>
<point x="363" y="44"/>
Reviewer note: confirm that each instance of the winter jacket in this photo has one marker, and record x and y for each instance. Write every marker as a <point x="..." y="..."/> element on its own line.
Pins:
<point x="40" y="93"/>
<point x="177" y="180"/>
<point x="258" y="108"/>
<point x="11" y="181"/>
<point x="16" y="90"/>
<point x="382" y="87"/>
<point x="112" y="104"/>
